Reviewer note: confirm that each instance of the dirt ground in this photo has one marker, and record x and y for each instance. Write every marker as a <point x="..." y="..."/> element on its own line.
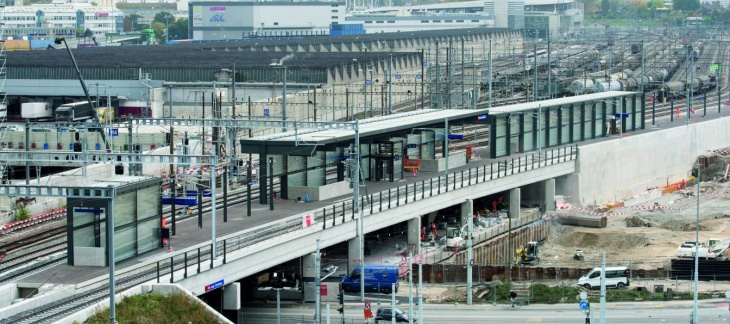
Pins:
<point x="635" y="235"/>
<point x="645" y="238"/>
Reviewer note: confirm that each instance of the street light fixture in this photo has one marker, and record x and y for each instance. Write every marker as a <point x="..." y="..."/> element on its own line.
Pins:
<point x="280" y="65"/>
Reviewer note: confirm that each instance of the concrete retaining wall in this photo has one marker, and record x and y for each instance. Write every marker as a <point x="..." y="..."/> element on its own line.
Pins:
<point x="455" y="160"/>
<point x="623" y="167"/>
<point x="321" y="192"/>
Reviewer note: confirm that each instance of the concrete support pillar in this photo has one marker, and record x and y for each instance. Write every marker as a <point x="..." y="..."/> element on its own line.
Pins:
<point x="467" y="210"/>
<point x="514" y="203"/>
<point x="353" y="254"/>
<point x="414" y="234"/>
<point x="308" y="274"/>
<point x="549" y="194"/>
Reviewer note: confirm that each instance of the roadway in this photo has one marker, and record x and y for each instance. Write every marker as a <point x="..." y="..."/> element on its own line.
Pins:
<point x="710" y="311"/>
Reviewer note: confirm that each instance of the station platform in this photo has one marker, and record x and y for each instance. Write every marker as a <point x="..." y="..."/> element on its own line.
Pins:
<point x="188" y="234"/>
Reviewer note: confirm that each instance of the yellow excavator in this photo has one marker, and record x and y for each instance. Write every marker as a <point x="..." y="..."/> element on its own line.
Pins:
<point x="527" y="254"/>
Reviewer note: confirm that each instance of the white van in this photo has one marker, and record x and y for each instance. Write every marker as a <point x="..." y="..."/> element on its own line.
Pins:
<point x="615" y="277"/>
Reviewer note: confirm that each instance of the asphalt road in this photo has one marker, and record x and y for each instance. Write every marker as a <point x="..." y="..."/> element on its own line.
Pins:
<point x="711" y="311"/>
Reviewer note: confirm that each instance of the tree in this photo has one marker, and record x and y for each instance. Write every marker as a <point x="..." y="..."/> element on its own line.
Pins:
<point x="605" y="6"/>
<point x="164" y="17"/>
<point x="132" y="19"/>
<point x="159" y="29"/>
<point x="686" y="5"/>
<point x="178" y="29"/>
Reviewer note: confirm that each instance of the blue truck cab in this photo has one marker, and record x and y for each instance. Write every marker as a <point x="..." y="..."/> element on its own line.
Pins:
<point x="375" y="276"/>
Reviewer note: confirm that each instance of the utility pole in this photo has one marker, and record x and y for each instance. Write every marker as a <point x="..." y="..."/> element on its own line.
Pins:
<point x="469" y="256"/>
<point x="490" y="72"/>
<point x="603" y="288"/>
<point x="317" y="284"/>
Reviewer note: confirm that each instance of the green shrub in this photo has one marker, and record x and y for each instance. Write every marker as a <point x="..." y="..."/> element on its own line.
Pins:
<point x="21" y="213"/>
<point x="154" y="308"/>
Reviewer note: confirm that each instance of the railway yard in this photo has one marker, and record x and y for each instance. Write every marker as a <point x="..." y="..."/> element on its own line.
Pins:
<point x="672" y="72"/>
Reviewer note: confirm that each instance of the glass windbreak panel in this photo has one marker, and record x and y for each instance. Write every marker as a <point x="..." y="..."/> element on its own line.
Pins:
<point x="565" y="125"/>
<point x="600" y="125"/>
<point x="428" y="146"/>
<point x="514" y="125"/>
<point x="553" y="115"/>
<point x="296" y="163"/>
<point x="85" y="215"/>
<point x="125" y="243"/>
<point x="125" y="208"/>
<point x="85" y="237"/>
<point x="501" y="124"/>
<point x="148" y="203"/>
<point x="315" y="170"/>
<point x="528" y="122"/>
<point x="279" y="164"/>
<point x="148" y="235"/>
<point x="528" y="142"/>
<point x="501" y="148"/>
<point x="398" y="163"/>
<point x="501" y="140"/>
<point x="577" y="122"/>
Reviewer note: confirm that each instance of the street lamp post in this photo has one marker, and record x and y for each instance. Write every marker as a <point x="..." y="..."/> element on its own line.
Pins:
<point x="697" y="246"/>
<point x="280" y="65"/>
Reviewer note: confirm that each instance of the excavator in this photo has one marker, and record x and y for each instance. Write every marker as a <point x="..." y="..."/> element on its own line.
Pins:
<point x="527" y="254"/>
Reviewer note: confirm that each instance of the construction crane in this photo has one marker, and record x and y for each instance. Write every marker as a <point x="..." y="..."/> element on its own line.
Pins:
<point x="62" y="40"/>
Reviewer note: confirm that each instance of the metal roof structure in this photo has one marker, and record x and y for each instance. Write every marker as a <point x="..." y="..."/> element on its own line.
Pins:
<point x="530" y="106"/>
<point x="370" y="127"/>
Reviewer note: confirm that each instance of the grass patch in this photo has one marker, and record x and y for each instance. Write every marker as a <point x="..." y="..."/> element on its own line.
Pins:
<point x="546" y="294"/>
<point x="154" y="308"/>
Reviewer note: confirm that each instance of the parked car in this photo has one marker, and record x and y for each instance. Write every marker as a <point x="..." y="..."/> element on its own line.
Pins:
<point x="9" y="128"/>
<point x="386" y="314"/>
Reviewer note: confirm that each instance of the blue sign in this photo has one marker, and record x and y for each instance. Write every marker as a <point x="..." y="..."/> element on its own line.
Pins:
<point x="368" y="82"/>
<point x="396" y="157"/>
<point x="425" y="63"/>
<point x="114" y="132"/>
<point x="214" y="285"/>
<point x="181" y="201"/>
<point x="88" y="210"/>
<point x="418" y="77"/>
<point x="267" y="112"/>
<point x="624" y="115"/>
<point x="583" y="304"/>
<point x="700" y="98"/>
<point x="456" y="136"/>
<point x="397" y="76"/>
<point x="412" y="145"/>
<point x="482" y="117"/>
<point x="252" y="182"/>
<point x="217" y="18"/>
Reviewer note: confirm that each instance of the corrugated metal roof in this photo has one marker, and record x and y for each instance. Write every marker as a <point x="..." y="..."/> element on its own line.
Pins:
<point x="428" y="117"/>
<point x="372" y="126"/>
<point x="558" y="102"/>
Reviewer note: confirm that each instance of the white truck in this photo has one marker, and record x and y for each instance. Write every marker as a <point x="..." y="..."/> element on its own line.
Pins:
<point x="714" y="248"/>
<point x="36" y="110"/>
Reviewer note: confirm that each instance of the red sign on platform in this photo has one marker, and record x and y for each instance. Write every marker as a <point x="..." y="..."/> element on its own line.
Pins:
<point x="323" y="290"/>
<point x="368" y="310"/>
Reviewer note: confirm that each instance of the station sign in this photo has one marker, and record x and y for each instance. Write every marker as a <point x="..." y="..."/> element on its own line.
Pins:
<point x="214" y="285"/>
